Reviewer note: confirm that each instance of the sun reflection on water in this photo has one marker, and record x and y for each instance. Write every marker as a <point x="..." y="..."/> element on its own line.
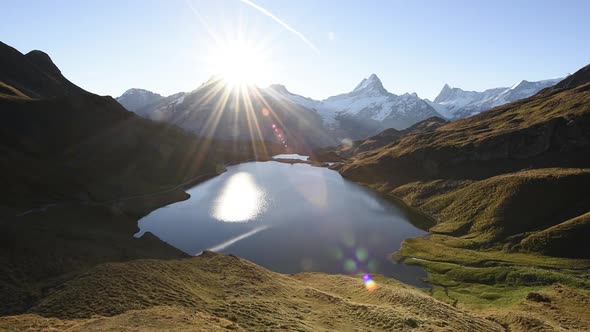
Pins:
<point x="241" y="199"/>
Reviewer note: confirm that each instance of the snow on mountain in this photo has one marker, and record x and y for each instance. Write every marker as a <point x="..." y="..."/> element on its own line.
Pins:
<point x="369" y="106"/>
<point x="221" y="111"/>
<point x="135" y="99"/>
<point x="363" y="112"/>
<point x="455" y="103"/>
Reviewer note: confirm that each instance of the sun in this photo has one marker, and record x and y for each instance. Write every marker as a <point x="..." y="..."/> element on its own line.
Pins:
<point x="241" y="63"/>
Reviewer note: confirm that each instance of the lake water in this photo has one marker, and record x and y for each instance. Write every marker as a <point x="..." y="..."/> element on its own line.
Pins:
<point x="289" y="218"/>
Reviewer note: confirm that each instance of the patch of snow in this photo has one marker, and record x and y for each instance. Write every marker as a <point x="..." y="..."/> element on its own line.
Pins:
<point x="291" y="156"/>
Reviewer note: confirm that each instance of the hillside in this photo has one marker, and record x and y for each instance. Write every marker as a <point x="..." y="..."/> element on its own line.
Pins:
<point x="384" y="138"/>
<point x="219" y="292"/>
<point x="32" y="75"/>
<point x="78" y="170"/>
<point x="226" y="290"/>
<point x="508" y="190"/>
<point x="62" y="144"/>
<point x="547" y="130"/>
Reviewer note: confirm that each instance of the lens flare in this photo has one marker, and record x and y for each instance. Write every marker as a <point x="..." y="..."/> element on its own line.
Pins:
<point x="350" y="265"/>
<point x="349" y="240"/>
<point x="370" y="284"/>
<point x="362" y="254"/>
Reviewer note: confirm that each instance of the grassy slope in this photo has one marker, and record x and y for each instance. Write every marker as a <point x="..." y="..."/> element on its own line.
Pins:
<point x="386" y="137"/>
<point x="251" y="297"/>
<point x="505" y="208"/>
<point x="485" y="248"/>
<point x="559" y="239"/>
<point x="220" y="292"/>
<point x="40" y="251"/>
<point x="509" y="190"/>
<point x="547" y="130"/>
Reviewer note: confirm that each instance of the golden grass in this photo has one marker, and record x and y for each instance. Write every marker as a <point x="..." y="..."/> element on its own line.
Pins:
<point x="249" y="296"/>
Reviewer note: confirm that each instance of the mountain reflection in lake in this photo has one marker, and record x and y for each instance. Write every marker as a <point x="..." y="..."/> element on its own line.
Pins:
<point x="289" y="218"/>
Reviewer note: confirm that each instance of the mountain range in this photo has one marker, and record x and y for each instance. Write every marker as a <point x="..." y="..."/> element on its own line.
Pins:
<point x="363" y="112"/>
<point x="455" y="103"/>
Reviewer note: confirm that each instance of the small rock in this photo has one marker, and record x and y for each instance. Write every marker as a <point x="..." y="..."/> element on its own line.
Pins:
<point x="536" y="297"/>
<point x="411" y="322"/>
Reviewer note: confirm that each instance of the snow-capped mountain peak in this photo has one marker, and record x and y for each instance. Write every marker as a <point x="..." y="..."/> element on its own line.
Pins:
<point x="367" y="109"/>
<point x="372" y="84"/>
<point x="455" y="103"/>
<point x="279" y="88"/>
<point x="135" y="99"/>
<point x="135" y="91"/>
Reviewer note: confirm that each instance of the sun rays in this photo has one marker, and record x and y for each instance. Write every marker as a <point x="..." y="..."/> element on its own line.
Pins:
<point x="235" y="110"/>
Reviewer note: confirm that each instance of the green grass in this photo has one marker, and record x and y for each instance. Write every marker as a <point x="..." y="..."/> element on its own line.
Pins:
<point x="436" y="248"/>
<point x="490" y="278"/>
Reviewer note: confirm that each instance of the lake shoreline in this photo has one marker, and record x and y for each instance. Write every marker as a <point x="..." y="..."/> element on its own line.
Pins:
<point x="404" y="212"/>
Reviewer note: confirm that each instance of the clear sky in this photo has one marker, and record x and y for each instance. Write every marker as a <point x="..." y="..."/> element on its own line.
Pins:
<point x="109" y="46"/>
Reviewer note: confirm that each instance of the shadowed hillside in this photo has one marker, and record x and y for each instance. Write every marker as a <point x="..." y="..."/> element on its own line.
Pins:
<point x="384" y="138"/>
<point x="78" y="170"/>
<point x="60" y="143"/>
<point x="33" y="75"/>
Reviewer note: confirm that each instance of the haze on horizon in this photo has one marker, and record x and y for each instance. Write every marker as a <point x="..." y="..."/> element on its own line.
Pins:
<point x="315" y="49"/>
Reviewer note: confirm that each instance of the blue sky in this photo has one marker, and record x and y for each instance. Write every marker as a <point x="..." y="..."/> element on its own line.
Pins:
<point x="413" y="46"/>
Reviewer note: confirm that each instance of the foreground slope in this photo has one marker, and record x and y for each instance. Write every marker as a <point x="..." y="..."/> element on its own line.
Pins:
<point x="251" y="297"/>
<point x="215" y="292"/>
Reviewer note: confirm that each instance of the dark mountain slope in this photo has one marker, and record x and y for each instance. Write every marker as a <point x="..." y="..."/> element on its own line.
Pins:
<point x="581" y="77"/>
<point x="77" y="170"/>
<point x="33" y="74"/>
<point x="386" y="137"/>
<point x="65" y="144"/>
